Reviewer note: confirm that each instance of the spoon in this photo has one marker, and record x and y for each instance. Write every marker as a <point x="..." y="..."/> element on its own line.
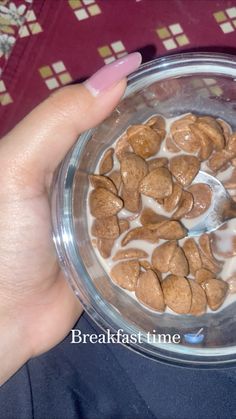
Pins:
<point x="222" y="208"/>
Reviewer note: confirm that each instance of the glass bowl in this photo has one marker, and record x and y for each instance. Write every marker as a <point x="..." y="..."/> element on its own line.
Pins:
<point x="201" y="83"/>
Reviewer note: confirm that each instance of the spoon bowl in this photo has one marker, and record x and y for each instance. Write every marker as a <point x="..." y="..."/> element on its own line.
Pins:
<point x="222" y="207"/>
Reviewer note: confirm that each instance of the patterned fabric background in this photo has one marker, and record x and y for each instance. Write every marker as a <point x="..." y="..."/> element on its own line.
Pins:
<point x="45" y="44"/>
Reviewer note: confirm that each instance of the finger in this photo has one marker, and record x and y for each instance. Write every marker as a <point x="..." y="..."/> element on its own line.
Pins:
<point x="41" y="140"/>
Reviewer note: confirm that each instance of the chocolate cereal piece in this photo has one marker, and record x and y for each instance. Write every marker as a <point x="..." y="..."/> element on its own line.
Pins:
<point x="123" y="224"/>
<point x="213" y="130"/>
<point x="107" y="228"/>
<point x="177" y="293"/>
<point x="202" y="275"/>
<point x="192" y="254"/>
<point x="178" y="263"/>
<point x="216" y="291"/>
<point x="157" y="162"/>
<point x="130" y="253"/>
<point x="133" y="169"/>
<point x="149" y="217"/>
<point x="105" y="246"/>
<point x="162" y="256"/>
<point x="157" y="184"/>
<point x="206" y="145"/>
<point x="144" y="140"/>
<point x="205" y="244"/>
<point x="149" y="292"/>
<point x="202" y="196"/>
<point x="140" y="233"/>
<point x="98" y="181"/>
<point x="171" y="146"/>
<point x="169" y="230"/>
<point x="122" y="147"/>
<point x="125" y="274"/>
<point x="226" y="128"/>
<point x="184" y="168"/>
<point x="219" y="160"/>
<point x="106" y="163"/>
<point x="115" y="177"/>
<point x="182" y="134"/>
<point x="185" y="205"/>
<point x="132" y="199"/>
<point x="171" y="202"/>
<point x="199" y="301"/>
<point x="104" y="203"/>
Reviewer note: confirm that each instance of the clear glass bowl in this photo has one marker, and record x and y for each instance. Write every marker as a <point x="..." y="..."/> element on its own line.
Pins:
<point x="195" y="82"/>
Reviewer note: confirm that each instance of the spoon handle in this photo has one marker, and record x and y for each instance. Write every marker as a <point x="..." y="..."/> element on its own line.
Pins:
<point x="229" y="210"/>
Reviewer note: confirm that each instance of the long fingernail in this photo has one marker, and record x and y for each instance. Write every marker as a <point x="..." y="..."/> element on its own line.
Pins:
<point x="112" y="73"/>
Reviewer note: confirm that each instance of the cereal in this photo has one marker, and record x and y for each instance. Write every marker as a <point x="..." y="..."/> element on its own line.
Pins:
<point x="138" y="194"/>
<point x="216" y="291"/>
<point x="199" y="301"/>
<point x="122" y="147"/>
<point x="184" y="168"/>
<point x="202" y="196"/>
<point x="115" y="177"/>
<point x="149" y="217"/>
<point x="171" y="202"/>
<point x="177" y="293"/>
<point x="157" y="184"/>
<point x="106" y="163"/>
<point x="133" y="169"/>
<point x="183" y="136"/>
<point x="185" y="205"/>
<point x="124" y="225"/>
<point x="227" y="131"/>
<point x="104" y="247"/>
<point x="178" y="263"/>
<point x="202" y="275"/>
<point x="171" y="230"/>
<point x="219" y="160"/>
<point x="231" y="145"/>
<point x="206" y="146"/>
<point x="192" y="254"/>
<point x="205" y="244"/>
<point x="126" y="274"/>
<point x="130" y="253"/>
<point x="98" y="181"/>
<point x="104" y="203"/>
<point x="213" y="130"/>
<point x="144" y="140"/>
<point x="106" y="229"/>
<point x="149" y="292"/>
<point x="140" y="233"/>
<point x="158" y="162"/>
<point x="146" y="265"/>
<point x="157" y="123"/>
<point x="162" y="256"/>
<point x="132" y="199"/>
<point x="171" y="146"/>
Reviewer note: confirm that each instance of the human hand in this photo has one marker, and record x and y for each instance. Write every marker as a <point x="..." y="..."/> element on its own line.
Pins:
<point x="37" y="306"/>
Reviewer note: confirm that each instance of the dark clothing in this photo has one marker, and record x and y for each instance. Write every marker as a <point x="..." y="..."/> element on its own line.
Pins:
<point x="108" y="381"/>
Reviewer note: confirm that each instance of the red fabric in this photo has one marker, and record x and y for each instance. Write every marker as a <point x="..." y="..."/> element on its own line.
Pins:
<point x="75" y="42"/>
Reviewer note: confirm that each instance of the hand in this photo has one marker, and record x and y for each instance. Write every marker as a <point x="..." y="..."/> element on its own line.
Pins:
<point x="37" y="306"/>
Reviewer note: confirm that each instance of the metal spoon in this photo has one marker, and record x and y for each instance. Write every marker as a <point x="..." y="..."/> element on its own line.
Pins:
<point x="222" y="208"/>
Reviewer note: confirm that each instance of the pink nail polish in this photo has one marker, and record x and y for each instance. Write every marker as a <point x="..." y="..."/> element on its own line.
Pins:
<point x="112" y="73"/>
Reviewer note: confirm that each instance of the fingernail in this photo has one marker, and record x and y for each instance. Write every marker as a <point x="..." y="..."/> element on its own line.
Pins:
<point x="112" y="73"/>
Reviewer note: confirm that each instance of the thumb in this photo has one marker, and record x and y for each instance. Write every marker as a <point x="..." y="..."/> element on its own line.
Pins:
<point x="40" y="141"/>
